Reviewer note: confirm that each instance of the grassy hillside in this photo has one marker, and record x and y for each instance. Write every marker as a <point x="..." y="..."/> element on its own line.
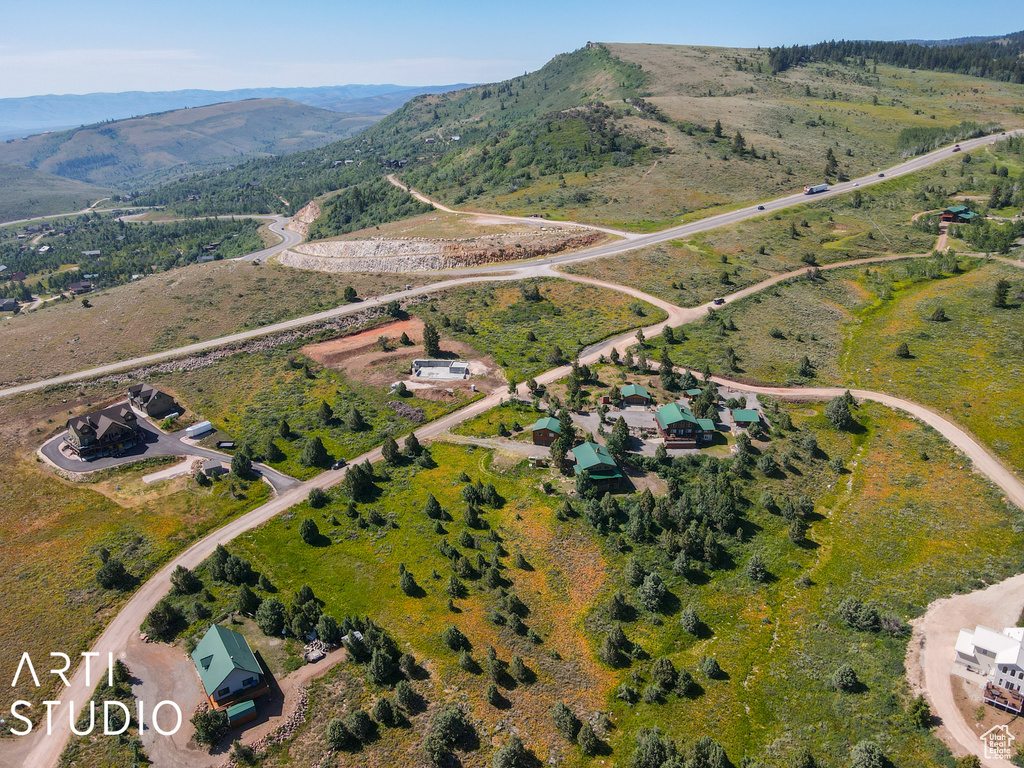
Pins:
<point x="626" y="134"/>
<point x="144" y="150"/>
<point x="25" y="192"/>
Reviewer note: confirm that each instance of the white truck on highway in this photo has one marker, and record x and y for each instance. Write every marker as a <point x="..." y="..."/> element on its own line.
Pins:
<point x="816" y="189"/>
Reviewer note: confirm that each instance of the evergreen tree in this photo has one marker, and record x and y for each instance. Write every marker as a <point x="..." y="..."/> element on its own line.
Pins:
<point x="431" y="340"/>
<point x="314" y="454"/>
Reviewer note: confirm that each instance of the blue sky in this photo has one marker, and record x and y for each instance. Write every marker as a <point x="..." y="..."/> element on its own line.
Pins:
<point x="111" y="45"/>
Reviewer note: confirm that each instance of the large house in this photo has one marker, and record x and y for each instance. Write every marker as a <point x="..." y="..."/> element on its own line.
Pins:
<point x="546" y="430"/>
<point x="103" y="433"/>
<point x="744" y="417"/>
<point x="958" y="214"/>
<point x="680" y="428"/>
<point x="997" y="656"/>
<point x="228" y="669"/>
<point x="635" y="394"/>
<point x="595" y="459"/>
<point x="151" y="400"/>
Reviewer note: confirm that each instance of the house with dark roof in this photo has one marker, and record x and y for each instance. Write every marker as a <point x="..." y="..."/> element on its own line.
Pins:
<point x="635" y="394"/>
<point x="680" y="428"/>
<point x="16" y="277"/>
<point x="546" y="430"/>
<point x="151" y="400"/>
<point x="103" y="433"/>
<point x="80" y="287"/>
<point x="8" y="305"/>
<point x="595" y="459"/>
<point x="227" y="668"/>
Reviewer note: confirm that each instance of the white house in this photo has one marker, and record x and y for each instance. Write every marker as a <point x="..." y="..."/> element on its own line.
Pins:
<point x="996" y="655"/>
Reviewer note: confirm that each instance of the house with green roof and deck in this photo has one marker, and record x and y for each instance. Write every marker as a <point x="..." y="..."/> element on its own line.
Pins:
<point x="680" y="428"/>
<point x="595" y="460"/>
<point x="229" y="671"/>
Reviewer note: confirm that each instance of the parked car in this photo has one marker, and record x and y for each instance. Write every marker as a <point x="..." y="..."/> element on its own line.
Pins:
<point x="338" y="464"/>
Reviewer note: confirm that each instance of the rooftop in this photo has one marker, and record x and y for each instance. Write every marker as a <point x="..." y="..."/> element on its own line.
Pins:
<point x="548" y="422"/>
<point x="219" y="653"/>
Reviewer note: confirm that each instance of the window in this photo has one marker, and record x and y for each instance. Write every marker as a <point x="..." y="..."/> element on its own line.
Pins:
<point x="223" y="692"/>
<point x="248" y="682"/>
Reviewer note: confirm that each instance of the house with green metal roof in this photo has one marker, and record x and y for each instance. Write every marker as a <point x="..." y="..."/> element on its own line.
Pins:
<point x="958" y="214"/>
<point x="692" y="393"/>
<point x="227" y="668"/>
<point x="680" y="428"/>
<point x="546" y="430"/>
<point x="595" y="459"/>
<point x="744" y="417"/>
<point x="635" y="394"/>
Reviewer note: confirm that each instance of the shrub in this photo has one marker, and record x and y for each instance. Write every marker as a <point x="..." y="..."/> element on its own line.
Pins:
<point x="652" y="592"/>
<point x="635" y="573"/>
<point x="271" y="617"/>
<point x="448" y="727"/>
<point x="511" y="755"/>
<point x="867" y="754"/>
<point x="318" y="498"/>
<point x="454" y="639"/>
<point x="494" y="698"/>
<point x="184" y="581"/>
<point x="756" y="569"/>
<point x="338" y="736"/>
<point x="709" y="666"/>
<point x="308" y="531"/>
<point x="246" y="601"/>
<point x="902" y="350"/>
<point x="384" y="712"/>
<point x="210" y="726"/>
<point x="844" y="679"/>
<point x="663" y="674"/>
<point x="517" y="668"/>
<point x="838" y="412"/>
<point x="360" y="725"/>
<point x="314" y="454"/>
<point x="408" y="584"/>
<point x="627" y="694"/>
<point x="565" y="721"/>
<point x="690" y="621"/>
<point x="405" y="696"/>
<point x="588" y="741"/>
<point x="112" y="574"/>
<point x="164" y="619"/>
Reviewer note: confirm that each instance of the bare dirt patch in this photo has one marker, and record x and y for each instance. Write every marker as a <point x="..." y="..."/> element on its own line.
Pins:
<point x="360" y="355"/>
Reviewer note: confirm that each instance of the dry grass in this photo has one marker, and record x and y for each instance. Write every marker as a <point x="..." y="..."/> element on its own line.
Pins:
<point x="172" y="309"/>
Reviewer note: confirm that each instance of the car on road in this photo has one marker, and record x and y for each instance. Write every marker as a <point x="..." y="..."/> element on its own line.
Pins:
<point x="338" y="464"/>
<point x="956" y="147"/>
<point x="881" y="175"/>
<point x="760" y="207"/>
<point x="719" y="300"/>
<point x="856" y="183"/>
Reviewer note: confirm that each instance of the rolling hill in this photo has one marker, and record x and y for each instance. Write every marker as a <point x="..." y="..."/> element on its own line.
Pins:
<point x="25" y="192"/>
<point x="145" y="150"/>
<point x="635" y="136"/>
<point x="36" y="114"/>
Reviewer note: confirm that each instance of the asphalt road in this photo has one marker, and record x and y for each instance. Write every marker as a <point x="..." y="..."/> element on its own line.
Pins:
<point x="500" y="271"/>
<point x="157" y="443"/>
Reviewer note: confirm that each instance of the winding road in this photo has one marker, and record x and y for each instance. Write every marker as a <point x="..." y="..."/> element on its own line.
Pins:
<point x="41" y="752"/>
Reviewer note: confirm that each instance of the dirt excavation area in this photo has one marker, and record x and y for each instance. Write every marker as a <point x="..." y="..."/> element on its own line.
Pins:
<point x="370" y="360"/>
<point x="422" y="254"/>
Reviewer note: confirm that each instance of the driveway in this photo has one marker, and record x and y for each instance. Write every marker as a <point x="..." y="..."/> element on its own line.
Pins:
<point x="157" y="443"/>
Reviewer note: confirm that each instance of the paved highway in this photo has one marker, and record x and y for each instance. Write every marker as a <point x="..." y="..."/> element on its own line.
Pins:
<point x="504" y="271"/>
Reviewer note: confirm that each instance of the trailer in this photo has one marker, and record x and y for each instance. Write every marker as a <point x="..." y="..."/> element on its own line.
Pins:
<point x="199" y="429"/>
<point x="816" y="189"/>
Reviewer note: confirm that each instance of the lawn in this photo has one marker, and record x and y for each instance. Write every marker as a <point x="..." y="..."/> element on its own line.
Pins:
<point x="498" y="320"/>
<point x="53" y="529"/>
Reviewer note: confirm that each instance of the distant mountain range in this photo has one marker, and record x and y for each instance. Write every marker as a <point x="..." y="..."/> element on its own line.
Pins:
<point x="141" y="151"/>
<point x="36" y="114"/>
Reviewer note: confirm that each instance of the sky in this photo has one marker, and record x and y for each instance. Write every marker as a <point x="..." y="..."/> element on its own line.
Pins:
<point x="63" y="47"/>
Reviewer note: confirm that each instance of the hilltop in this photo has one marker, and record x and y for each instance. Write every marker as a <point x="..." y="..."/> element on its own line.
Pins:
<point x="128" y="153"/>
<point x="636" y="136"/>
